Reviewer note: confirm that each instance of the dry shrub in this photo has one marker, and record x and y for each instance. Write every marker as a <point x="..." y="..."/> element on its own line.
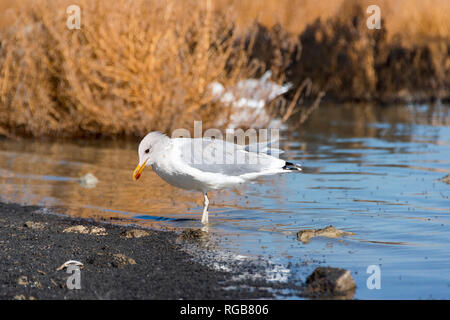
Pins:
<point x="144" y="65"/>
<point x="339" y="54"/>
<point x="133" y="67"/>
<point x="353" y="63"/>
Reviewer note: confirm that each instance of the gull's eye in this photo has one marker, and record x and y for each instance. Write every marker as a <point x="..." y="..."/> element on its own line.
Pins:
<point x="147" y="151"/>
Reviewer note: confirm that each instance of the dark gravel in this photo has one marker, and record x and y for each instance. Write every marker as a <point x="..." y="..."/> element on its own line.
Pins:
<point x="33" y="245"/>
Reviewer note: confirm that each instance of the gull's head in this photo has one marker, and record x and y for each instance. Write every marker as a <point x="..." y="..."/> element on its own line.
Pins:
<point x="147" y="151"/>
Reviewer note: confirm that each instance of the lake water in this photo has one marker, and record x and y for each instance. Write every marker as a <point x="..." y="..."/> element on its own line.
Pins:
<point x="368" y="170"/>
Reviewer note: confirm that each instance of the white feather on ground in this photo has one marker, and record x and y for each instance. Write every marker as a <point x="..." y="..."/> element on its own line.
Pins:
<point x="248" y="97"/>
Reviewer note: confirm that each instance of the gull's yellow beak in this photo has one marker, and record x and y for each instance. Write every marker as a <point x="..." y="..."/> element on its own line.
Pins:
<point x="137" y="172"/>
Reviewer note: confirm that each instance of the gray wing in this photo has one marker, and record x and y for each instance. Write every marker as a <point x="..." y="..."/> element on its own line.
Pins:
<point x="219" y="156"/>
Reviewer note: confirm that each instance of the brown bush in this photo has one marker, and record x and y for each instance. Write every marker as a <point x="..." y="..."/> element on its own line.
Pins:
<point x="352" y="63"/>
<point x="144" y="65"/>
<point x="131" y="68"/>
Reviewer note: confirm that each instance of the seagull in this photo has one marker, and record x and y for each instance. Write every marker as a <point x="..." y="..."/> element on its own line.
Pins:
<point x="206" y="164"/>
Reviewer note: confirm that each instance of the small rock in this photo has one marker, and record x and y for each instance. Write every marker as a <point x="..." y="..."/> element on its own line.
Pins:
<point x="330" y="232"/>
<point x="77" y="229"/>
<point x="22" y="297"/>
<point x="34" y="225"/>
<point x="23" y="281"/>
<point x="122" y="259"/>
<point x="330" y="282"/>
<point x="135" y="233"/>
<point x="193" y="235"/>
<point x="88" y="181"/>
<point x="446" y="179"/>
<point x="97" y="231"/>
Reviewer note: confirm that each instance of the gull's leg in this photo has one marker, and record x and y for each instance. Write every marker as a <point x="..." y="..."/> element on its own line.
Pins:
<point x="205" y="209"/>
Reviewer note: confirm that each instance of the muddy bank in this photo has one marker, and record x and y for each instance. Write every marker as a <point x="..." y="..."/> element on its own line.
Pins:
<point x="119" y="262"/>
<point x="349" y="62"/>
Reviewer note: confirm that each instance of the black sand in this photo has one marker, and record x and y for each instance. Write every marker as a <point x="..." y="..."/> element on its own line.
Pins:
<point x="151" y="267"/>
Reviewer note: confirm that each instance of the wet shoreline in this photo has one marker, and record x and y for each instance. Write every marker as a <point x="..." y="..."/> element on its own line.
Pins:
<point x="119" y="263"/>
<point x="377" y="173"/>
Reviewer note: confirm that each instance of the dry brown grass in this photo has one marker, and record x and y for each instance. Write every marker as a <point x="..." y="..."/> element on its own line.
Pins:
<point x="141" y="65"/>
<point x="133" y="67"/>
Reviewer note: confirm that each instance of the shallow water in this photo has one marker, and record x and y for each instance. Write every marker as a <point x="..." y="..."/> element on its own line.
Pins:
<point x="367" y="170"/>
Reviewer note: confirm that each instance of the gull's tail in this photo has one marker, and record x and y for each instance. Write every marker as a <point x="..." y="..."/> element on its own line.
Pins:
<point x="292" y="166"/>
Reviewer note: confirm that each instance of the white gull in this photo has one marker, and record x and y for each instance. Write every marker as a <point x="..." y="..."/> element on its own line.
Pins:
<point x="205" y="164"/>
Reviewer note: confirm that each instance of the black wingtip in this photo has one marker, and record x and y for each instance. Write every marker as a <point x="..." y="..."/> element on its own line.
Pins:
<point x="292" y="166"/>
